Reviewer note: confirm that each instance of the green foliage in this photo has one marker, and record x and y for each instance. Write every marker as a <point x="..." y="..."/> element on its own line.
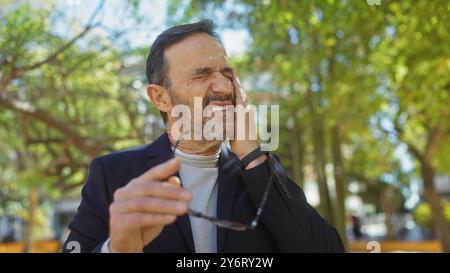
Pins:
<point x="422" y="213"/>
<point x="62" y="102"/>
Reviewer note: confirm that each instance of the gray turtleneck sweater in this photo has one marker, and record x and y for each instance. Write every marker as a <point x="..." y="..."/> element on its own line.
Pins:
<point x="199" y="175"/>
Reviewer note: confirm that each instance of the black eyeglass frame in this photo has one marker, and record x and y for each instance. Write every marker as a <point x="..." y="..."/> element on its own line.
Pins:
<point x="236" y="226"/>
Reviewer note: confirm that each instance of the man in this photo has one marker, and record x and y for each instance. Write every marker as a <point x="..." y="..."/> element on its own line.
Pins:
<point x="134" y="201"/>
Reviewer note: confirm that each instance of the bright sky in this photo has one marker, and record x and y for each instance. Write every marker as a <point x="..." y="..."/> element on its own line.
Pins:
<point x="153" y="10"/>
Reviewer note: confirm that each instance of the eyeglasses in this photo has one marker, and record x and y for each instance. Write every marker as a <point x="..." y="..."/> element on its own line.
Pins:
<point x="235" y="225"/>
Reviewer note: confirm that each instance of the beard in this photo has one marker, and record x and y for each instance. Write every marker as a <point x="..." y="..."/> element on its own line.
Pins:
<point x="206" y="100"/>
<point x="222" y="125"/>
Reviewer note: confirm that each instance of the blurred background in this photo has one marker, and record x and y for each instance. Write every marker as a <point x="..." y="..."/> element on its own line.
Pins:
<point x="363" y="88"/>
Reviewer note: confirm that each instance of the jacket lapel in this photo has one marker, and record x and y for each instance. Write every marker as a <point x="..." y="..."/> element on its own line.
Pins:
<point x="228" y="179"/>
<point x="160" y="151"/>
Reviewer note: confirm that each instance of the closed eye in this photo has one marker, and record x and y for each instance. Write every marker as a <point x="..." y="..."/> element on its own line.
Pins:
<point x="205" y="72"/>
<point x="227" y="72"/>
<point x="201" y="76"/>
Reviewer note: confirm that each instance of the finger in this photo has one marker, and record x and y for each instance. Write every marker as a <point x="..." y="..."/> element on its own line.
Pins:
<point x="239" y="92"/>
<point x="150" y="204"/>
<point x="140" y="220"/>
<point x="236" y="78"/>
<point x="152" y="188"/>
<point x="161" y="171"/>
<point x="174" y="180"/>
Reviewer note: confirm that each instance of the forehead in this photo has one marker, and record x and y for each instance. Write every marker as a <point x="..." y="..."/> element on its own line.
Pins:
<point x="196" y="51"/>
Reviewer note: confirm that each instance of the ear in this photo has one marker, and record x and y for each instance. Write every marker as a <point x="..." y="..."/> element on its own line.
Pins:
<point x="159" y="96"/>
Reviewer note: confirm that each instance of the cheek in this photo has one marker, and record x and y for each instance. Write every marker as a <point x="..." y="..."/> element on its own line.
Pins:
<point x="186" y="93"/>
<point x="182" y="92"/>
<point x="199" y="89"/>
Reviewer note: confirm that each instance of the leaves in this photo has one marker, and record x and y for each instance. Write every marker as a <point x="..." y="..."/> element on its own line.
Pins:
<point x="56" y="116"/>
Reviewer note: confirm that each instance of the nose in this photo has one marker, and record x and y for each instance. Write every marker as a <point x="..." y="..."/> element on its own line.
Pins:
<point x="221" y="85"/>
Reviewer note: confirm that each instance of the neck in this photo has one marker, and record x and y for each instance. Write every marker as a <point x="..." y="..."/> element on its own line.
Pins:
<point x="196" y="147"/>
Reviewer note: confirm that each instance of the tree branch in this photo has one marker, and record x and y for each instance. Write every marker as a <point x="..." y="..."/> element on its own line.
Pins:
<point x="87" y="146"/>
<point x="433" y="138"/>
<point x="411" y="147"/>
<point x="89" y="26"/>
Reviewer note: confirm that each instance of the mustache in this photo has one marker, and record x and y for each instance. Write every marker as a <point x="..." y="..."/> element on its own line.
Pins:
<point x="208" y="99"/>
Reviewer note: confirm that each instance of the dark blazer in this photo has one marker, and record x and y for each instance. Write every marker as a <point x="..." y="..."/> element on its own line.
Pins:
<point x="288" y="223"/>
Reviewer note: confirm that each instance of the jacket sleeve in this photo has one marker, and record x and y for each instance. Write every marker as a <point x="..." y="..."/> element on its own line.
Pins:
<point x="89" y="228"/>
<point x="292" y="222"/>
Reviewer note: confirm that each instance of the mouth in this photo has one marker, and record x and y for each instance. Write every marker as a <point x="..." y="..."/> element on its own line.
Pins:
<point x="221" y="103"/>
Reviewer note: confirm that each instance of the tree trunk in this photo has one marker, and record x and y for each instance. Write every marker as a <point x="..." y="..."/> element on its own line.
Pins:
<point x="319" y="160"/>
<point x="442" y="228"/>
<point x="390" y="231"/>
<point x="389" y="203"/>
<point x="32" y="205"/>
<point x="341" y="183"/>
<point x="297" y="154"/>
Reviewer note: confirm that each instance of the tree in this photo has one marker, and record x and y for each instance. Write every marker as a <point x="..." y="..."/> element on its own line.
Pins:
<point x="417" y="65"/>
<point x="63" y="101"/>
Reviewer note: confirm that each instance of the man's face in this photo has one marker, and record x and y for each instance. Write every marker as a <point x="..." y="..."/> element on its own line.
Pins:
<point x="198" y="67"/>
